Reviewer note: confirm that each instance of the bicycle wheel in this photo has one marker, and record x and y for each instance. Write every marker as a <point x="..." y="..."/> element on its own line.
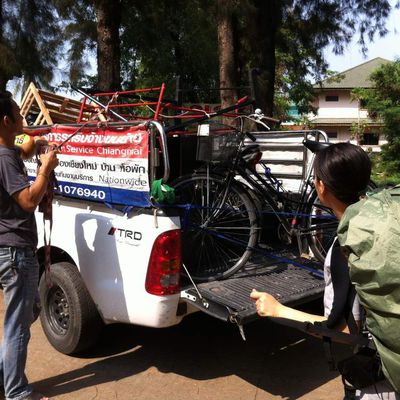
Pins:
<point x="320" y="224"/>
<point x="217" y="235"/>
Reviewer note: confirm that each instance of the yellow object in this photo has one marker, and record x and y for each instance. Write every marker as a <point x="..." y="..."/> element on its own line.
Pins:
<point x="21" y="139"/>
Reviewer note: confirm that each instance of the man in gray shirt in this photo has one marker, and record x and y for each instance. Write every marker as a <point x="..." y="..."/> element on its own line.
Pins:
<point x="19" y="268"/>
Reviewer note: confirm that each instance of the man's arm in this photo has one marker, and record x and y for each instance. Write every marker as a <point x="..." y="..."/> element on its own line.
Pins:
<point x="30" y="197"/>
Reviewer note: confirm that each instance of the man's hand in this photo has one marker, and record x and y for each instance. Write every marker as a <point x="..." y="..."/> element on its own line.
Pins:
<point x="30" y="197"/>
<point x="32" y="146"/>
<point x="49" y="161"/>
<point x="40" y="141"/>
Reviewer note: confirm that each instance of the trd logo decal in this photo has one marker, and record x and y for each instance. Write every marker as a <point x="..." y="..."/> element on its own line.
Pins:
<point x="125" y="235"/>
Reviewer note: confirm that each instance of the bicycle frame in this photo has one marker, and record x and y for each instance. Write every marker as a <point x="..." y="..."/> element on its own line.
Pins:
<point x="271" y="192"/>
<point x="224" y="199"/>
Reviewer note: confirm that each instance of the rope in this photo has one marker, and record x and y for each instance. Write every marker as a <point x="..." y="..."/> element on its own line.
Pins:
<point x="107" y="107"/>
<point x="185" y="224"/>
<point x="189" y="207"/>
<point x="45" y="206"/>
<point x="280" y="259"/>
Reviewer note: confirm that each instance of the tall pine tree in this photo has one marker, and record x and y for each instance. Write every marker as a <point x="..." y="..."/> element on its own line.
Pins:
<point x="29" y="41"/>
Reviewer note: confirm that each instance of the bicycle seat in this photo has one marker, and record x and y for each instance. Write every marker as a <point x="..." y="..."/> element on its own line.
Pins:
<point x="315" y="146"/>
<point x="251" y="153"/>
<point x="252" y="148"/>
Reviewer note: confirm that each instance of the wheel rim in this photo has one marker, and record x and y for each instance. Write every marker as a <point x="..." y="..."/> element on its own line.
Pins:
<point x="321" y="230"/>
<point x="215" y="238"/>
<point x="321" y="225"/>
<point x="58" y="310"/>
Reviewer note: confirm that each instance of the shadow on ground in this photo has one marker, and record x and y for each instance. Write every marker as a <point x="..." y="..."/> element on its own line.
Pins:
<point x="277" y="359"/>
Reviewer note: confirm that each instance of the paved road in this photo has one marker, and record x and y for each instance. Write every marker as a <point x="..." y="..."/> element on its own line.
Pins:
<point x="201" y="359"/>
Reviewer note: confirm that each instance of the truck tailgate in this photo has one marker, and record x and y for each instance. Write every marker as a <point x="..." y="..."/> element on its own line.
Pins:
<point x="292" y="282"/>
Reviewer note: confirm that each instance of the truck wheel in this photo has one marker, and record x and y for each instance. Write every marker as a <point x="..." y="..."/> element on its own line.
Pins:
<point x="69" y="317"/>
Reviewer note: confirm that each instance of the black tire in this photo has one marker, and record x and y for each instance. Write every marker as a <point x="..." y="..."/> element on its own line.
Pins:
<point x="321" y="225"/>
<point x="69" y="317"/>
<point x="217" y="239"/>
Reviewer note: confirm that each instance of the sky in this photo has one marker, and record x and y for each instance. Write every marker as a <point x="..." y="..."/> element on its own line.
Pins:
<point x="387" y="47"/>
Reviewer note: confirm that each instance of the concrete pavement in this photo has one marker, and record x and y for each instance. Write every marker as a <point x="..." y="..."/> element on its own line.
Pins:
<point x="200" y="359"/>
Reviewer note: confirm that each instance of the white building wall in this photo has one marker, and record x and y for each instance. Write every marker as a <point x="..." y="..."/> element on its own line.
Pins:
<point x="346" y="107"/>
<point x="343" y="135"/>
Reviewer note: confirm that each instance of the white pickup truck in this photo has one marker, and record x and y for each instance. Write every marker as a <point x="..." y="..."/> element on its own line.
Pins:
<point x="109" y="267"/>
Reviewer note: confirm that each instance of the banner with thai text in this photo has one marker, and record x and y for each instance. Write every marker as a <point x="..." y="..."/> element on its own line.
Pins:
<point x="106" y="165"/>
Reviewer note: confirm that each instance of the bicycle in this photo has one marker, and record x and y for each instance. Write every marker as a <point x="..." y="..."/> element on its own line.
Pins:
<point x="221" y="223"/>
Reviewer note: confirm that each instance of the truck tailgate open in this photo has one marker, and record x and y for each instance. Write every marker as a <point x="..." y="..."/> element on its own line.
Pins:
<point x="292" y="282"/>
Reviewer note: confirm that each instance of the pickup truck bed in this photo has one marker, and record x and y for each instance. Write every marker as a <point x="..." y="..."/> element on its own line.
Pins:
<point x="289" y="278"/>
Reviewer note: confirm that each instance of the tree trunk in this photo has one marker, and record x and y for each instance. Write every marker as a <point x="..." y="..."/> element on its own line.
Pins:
<point x="226" y="53"/>
<point x="108" y="15"/>
<point x="263" y="25"/>
<point x="3" y="79"/>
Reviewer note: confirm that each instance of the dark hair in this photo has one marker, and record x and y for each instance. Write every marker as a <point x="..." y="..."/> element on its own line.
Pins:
<point x="6" y="105"/>
<point x="345" y="170"/>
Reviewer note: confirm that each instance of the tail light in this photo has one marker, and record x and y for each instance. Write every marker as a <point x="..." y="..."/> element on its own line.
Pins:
<point x="165" y="264"/>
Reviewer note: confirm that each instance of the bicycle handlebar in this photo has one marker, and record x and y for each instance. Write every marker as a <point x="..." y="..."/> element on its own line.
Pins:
<point x="259" y="116"/>
<point x="250" y="136"/>
<point x="274" y="120"/>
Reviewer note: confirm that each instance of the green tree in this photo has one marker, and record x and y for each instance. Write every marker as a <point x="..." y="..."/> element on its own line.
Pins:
<point x="93" y="25"/>
<point x="358" y="129"/>
<point x="291" y="35"/>
<point x="108" y="18"/>
<point x="156" y="43"/>
<point x="281" y="41"/>
<point x="262" y="21"/>
<point x="29" y="41"/>
<point x="227" y="51"/>
<point x="79" y="27"/>
<point x="161" y="43"/>
<point x="383" y="104"/>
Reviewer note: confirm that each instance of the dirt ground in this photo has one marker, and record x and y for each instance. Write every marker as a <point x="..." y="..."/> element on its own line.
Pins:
<point x="200" y="359"/>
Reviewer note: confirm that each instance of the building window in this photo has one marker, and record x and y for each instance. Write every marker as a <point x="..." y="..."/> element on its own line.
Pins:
<point x="332" y="135"/>
<point x="370" y="139"/>
<point x="331" y="98"/>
